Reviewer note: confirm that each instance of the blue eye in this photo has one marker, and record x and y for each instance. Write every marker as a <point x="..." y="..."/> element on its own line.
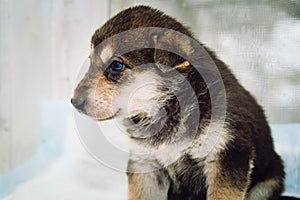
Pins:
<point x="117" y="66"/>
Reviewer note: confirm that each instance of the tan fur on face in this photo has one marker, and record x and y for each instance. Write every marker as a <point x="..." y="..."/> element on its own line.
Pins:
<point x="103" y="99"/>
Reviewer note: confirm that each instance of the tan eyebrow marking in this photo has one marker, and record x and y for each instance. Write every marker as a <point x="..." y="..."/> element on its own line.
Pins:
<point x="106" y="54"/>
<point x="182" y="65"/>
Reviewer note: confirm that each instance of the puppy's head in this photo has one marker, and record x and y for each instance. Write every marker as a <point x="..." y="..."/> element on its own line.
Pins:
<point x="130" y="74"/>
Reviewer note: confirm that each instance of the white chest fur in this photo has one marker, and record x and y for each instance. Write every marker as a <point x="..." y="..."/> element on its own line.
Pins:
<point x="206" y="145"/>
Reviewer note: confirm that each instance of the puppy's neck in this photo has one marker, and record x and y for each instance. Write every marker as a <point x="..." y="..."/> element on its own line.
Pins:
<point x="166" y="126"/>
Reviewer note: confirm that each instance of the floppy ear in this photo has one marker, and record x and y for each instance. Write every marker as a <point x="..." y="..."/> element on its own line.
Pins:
<point x="178" y="49"/>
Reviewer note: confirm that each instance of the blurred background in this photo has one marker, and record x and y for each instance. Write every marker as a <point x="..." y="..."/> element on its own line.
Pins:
<point x="43" y="45"/>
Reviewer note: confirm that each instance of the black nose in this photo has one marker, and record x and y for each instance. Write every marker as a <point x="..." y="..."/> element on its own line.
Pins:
<point x="78" y="103"/>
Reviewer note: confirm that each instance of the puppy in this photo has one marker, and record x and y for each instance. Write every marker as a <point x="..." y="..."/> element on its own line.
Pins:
<point x="195" y="132"/>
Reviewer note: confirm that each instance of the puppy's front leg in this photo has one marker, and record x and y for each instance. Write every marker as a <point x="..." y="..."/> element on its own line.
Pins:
<point x="148" y="185"/>
<point x="228" y="176"/>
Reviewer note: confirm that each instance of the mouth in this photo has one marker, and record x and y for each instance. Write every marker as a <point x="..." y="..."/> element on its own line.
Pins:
<point x="81" y="111"/>
<point x="109" y="117"/>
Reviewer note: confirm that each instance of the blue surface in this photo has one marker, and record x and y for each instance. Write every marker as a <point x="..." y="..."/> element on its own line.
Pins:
<point x="287" y="143"/>
<point x="53" y="124"/>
